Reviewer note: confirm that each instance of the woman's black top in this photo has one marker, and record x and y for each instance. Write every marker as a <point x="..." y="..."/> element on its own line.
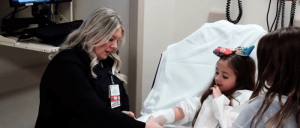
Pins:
<point x="71" y="98"/>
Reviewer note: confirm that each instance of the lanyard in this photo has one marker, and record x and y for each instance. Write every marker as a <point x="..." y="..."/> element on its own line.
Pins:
<point x="113" y="91"/>
<point x="111" y="74"/>
<point x="111" y="78"/>
<point x="112" y="81"/>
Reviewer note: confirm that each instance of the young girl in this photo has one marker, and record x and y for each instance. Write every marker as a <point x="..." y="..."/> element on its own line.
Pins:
<point x="232" y="84"/>
<point x="278" y="55"/>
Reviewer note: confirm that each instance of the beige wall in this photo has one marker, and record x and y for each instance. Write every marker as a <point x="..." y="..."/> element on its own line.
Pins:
<point x="20" y="73"/>
<point x="135" y="65"/>
<point x="158" y="34"/>
<point x="189" y="16"/>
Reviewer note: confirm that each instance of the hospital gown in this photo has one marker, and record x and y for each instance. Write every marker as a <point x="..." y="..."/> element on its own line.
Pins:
<point x="215" y="112"/>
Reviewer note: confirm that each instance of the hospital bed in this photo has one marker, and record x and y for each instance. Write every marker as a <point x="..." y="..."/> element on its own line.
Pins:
<point x="186" y="68"/>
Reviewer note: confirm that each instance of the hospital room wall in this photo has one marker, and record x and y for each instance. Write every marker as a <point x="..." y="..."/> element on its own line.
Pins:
<point x="20" y="73"/>
<point x="169" y="21"/>
<point x="21" y="70"/>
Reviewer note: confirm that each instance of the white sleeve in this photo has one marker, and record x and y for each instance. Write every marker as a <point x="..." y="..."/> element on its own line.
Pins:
<point x="222" y="111"/>
<point x="167" y="115"/>
<point x="189" y="106"/>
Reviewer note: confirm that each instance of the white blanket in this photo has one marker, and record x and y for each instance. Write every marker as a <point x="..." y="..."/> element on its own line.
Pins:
<point x="187" y="67"/>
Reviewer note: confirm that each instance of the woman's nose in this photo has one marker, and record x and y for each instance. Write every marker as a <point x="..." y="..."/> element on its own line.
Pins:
<point x="114" y="45"/>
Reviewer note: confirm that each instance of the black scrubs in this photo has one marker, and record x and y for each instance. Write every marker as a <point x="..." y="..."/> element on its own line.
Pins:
<point x="71" y="98"/>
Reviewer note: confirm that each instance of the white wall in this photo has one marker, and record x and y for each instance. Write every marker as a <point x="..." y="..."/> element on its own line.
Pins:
<point x="19" y="108"/>
<point x="191" y="15"/>
<point x="158" y="34"/>
<point x="169" y="21"/>
<point x="20" y="73"/>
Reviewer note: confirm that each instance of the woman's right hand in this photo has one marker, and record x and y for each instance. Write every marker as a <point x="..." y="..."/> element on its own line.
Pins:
<point x="129" y="113"/>
<point x="152" y="124"/>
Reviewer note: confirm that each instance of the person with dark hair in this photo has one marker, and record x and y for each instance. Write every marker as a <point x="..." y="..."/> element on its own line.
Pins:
<point x="275" y="101"/>
<point x="232" y="85"/>
<point x="82" y="86"/>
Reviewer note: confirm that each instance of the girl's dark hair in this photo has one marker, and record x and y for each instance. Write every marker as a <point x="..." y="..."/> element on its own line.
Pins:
<point x="244" y="69"/>
<point x="278" y="55"/>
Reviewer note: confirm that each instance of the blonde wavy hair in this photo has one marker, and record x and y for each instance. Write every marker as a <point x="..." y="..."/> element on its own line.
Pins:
<point x="96" y="30"/>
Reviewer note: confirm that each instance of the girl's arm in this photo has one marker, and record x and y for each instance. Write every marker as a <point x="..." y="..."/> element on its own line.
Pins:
<point x="178" y="114"/>
<point x="183" y="112"/>
<point x="223" y="111"/>
<point x="170" y="115"/>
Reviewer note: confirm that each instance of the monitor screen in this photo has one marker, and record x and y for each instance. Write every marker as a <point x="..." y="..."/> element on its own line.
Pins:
<point x="17" y="3"/>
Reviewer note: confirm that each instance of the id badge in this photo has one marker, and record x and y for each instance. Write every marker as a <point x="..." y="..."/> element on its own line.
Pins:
<point x="114" y="95"/>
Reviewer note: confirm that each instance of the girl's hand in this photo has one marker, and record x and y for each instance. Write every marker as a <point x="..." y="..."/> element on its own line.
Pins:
<point x="129" y="113"/>
<point x="216" y="91"/>
<point x="152" y="124"/>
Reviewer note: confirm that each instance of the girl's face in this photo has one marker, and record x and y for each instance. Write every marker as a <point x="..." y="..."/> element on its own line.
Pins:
<point x="225" y="77"/>
<point x="102" y="51"/>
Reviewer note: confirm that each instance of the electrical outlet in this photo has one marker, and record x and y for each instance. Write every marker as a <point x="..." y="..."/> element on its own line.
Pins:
<point x="59" y="19"/>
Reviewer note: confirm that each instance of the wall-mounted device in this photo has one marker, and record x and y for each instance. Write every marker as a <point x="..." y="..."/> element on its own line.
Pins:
<point x="41" y="16"/>
<point x="228" y="12"/>
<point x="280" y="11"/>
<point x="19" y="3"/>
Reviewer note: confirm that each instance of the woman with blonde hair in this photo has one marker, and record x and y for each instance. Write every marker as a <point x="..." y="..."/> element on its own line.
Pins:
<point x="82" y="85"/>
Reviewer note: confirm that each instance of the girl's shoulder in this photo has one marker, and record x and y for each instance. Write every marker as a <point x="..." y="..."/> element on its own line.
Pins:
<point x="244" y="91"/>
<point x="242" y="95"/>
<point x="261" y="97"/>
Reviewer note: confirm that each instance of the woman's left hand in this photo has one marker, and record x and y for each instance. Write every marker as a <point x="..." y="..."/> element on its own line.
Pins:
<point x="216" y="91"/>
<point x="129" y="113"/>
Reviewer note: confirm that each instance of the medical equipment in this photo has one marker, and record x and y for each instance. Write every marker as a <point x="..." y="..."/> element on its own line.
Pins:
<point x="280" y="11"/>
<point x="228" y="12"/>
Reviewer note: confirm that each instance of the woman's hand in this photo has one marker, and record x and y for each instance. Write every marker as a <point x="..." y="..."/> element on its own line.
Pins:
<point x="129" y="113"/>
<point x="216" y="91"/>
<point x="152" y="124"/>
